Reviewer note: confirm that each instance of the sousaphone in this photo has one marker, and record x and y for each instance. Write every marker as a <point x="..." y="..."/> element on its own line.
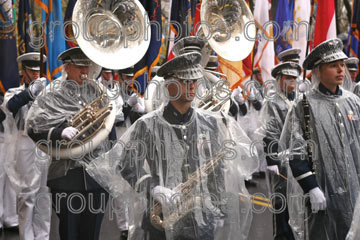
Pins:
<point x="115" y="34"/>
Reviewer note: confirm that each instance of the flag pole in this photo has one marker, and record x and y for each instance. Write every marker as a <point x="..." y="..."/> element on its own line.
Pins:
<point x="348" y="45"/>
<point x="309" y="34"/>
<point x="42" y="62"/>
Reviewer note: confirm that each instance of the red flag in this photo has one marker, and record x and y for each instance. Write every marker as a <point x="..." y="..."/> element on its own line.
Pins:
<point x="196" y="24"/>
<point x="325" y="27"/>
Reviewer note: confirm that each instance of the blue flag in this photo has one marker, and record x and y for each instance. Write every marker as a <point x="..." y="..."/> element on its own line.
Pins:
<point x="283" y="29"/>
<point x="182" y="15"/>
<point x="55" y="40"/>
<point x="354" y="32"/>
<point x="24" y="23"/>
<point x="353" y="48"/>
<point x="151" y="57"/>
<point x="9" y="73"/>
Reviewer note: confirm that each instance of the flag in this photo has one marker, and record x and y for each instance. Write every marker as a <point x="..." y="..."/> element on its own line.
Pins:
<point x="264" y="57"/>
<point x="9" y="73"/>
<point x="353" y="48"/>
<point x="181" y="21"/>
<point x="302" y="11"/>
<point x="144" y="66"/>
<point x="70" y="39"/>
<point x="196" y="19"/>
<point x="247" y="65"/>
<point x="283" y="31"/>
<point x="24" y="23"/>
<point x="325" y="26"/>
<point x="233" y="72"/>
<point x="354" y="32"/>
<point x="54" y="35"/>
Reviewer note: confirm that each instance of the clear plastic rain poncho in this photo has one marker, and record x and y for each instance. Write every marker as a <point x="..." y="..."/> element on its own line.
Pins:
<point x="153" y="152"/>
<point x="271" y="121"/>
<point x="335" y="140"/>
<point x="21" y="164"/>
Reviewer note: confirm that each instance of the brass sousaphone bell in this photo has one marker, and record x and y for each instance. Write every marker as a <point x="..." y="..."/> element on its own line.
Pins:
<point x="229" y="27"/>
<point x="115" y="34"/>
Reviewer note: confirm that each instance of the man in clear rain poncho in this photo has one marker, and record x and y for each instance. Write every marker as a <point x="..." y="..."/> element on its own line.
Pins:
<point x="352" y="65"/>
<point x="272" y="119"/>
<point x="27" y="177"/>
<point x="192" y="162"/>
<point x="322" y="135"/>
<point x="49" y="125"/>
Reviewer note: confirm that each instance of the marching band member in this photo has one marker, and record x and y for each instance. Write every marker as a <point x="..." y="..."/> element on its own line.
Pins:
<point x="78" y="200"/>
<point x="352" y="65"/>
<point x="326" y="121"/>
<point x="172" y="139"/>
<point x="293" y="55"/>
<point x="133" y="104"/>
<point x="26" y="174"/>
<point x="272" y="119"/>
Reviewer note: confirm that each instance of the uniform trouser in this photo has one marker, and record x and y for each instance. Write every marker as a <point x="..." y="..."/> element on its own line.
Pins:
<point x="8" y="216"/>
<point x="80" y="213"/>
<point x="33" y="201"/>
<point x="281" y="227"/>
<point x="120" y="206"/>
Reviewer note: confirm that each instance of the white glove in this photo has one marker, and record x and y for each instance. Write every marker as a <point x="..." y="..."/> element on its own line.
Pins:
<point x="139" y="108"/>
<point x="119" y="117"/>
<point x="164" y="195"/>
<point x="238" y="96"/>
<point x="37" y="86"/>
<point x="303" y="87"/>
<point x="317" y="200"/>
<point x="273" y="169"/>
<point x="215" y="210"/>
<point x="133" y="99"/>
<point x="69" y="133"/>
<point x="253" y="94"/>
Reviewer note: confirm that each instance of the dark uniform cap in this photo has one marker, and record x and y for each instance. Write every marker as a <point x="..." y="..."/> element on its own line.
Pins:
<point x="106" y="70"/>
<point x="31" y="60"/>
<point x="74" y="56"/>
<point x="185" y="66"/>
<point x="352" y="64"/>
<point x="325" y="52"/>
<point x="286" y="68"/>
<point x="212" y="64"/>
<point x="128" y="71"/>
<point x="292" y="54"/>
<point x="188" y="44"/>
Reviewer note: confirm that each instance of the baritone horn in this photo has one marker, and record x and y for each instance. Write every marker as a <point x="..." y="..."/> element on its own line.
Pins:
<point x="115" y="34"/>
<point x="229" y="27"/>
<point x="94" y="123"/>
